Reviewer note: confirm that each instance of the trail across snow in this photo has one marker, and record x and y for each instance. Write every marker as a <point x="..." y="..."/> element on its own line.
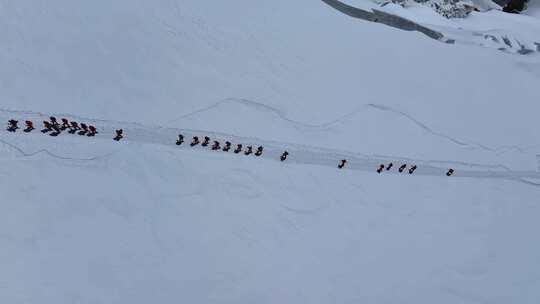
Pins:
<point x="298" y="153"/>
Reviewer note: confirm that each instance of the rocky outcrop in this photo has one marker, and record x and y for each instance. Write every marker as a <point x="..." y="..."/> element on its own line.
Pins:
<point x="447" y="8"/>
<point x="384" y="18"/>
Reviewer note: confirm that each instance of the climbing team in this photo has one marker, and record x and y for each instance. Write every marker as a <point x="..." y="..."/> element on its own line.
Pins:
<point x="216" y="146"/>
<point x="12" y="125"/>
<point x="402" y="168"/>
<point x="54" y="128"/>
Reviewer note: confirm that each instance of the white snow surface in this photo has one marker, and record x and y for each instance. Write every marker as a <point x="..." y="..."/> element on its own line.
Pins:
<point x="90" y="220"/>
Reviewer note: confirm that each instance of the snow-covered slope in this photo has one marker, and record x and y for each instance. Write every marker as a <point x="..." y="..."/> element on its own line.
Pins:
<point x="89" y="220"/>
<point x="147" y="223"/>
<point x="157" y="62"/>
<point x="489" y="27"/>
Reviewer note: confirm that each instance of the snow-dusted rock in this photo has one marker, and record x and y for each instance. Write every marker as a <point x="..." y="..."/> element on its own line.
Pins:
<point x="446" y="8"/>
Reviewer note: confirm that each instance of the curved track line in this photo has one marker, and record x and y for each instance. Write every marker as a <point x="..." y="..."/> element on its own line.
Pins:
<point x="340" y="119"/>
<point x="47" y="152"/>
<point x="426" y="128"/>
<point x="258" y="106"/>
<point x="277" y="112"/>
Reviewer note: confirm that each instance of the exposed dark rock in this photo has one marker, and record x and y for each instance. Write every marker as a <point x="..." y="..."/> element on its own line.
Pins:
<point x="384" y="18"/>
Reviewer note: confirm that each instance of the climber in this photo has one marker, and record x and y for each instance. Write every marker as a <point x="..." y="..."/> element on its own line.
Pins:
<point x="180" y="140"/>
<point x="56" y="129"/>
<point x="74" y="127"/>
<point x="249" y="150"/>
<point x="91" y="131"/>
<point x="119" y="134"/>
<point x="84" y="129"/>
<point x="381" y="168"/>
<point x="342" y="163"/>
<point x="412" y="169"/>
<point x="450" y="172"/>
<point x="206" y="141"/>
<point x="216" y="146"/>
<point x="47" y="127"/>
<point x="390" y="165"/>
<point x="29" y="126"/>
<point x="65" y="124"/>
<point x="402" y="168"/>
<point x="227" y="146"/>
<point x="53" y="121"/>
<point x="259" y="151"/>
<point x="284" y="156"/>
<point x="238" y="148"/>
<point x="195" y="141"/>
<point x="12" y="125"/>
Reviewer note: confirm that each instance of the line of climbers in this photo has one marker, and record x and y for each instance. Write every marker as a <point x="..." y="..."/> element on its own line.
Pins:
<point x="54" y="128"/>
<point x="216" y="146"/>
<point x="389" y="167"/>
<point x="227" y="147"/>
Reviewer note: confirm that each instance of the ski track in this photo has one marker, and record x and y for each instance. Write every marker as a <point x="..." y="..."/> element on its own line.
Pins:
<point x="298" y="154"/>
<point x="327" y="125"/>
<point x="53" y="155"/>
<point x="258" y="106"/>
<point x="425" y="127"/>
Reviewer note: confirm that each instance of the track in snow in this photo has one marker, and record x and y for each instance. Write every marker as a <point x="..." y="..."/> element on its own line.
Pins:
<point x="298" y="154"/>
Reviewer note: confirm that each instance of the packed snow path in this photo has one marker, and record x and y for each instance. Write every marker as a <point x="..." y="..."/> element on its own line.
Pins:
<point x="298" y="154"/>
